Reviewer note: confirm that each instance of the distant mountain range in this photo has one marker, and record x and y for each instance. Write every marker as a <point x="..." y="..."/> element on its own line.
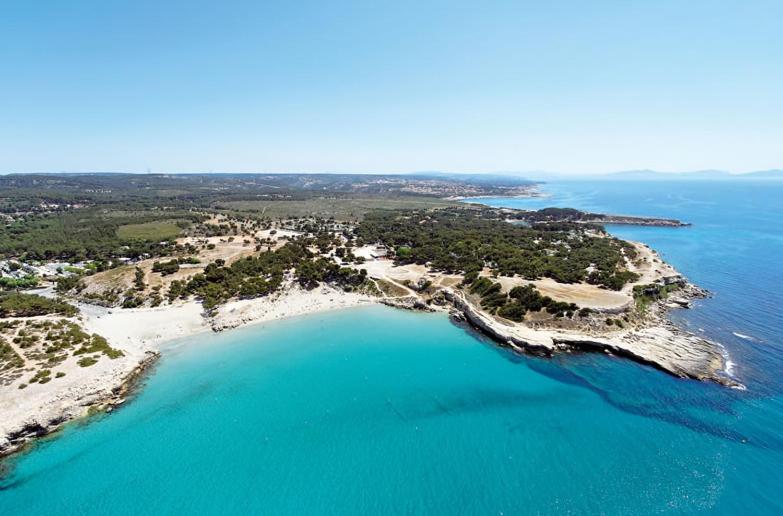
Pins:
<point x="626" y="175"/>
<point x="650" y="175"/>
<point x="711" y="175"/>
<point x="496" y="178"/>
<point x="770" y="174"/>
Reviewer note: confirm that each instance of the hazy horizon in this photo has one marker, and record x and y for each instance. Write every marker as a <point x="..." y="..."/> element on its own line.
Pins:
<point x="521" y="174"/>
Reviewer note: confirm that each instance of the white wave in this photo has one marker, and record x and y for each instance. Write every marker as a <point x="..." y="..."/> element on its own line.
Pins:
<point x="728" y="369"/>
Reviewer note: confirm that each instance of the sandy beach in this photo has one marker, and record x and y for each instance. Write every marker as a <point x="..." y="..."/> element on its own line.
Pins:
<point x="291" y="302"/>
<point x="39" y="409"/>
<point x="139" y="333"/>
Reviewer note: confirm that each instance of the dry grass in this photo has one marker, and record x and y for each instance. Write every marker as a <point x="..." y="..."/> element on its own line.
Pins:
<point x="390" y="289"/>
<point x="339" y="208"/>
<point x="154" y="231"/>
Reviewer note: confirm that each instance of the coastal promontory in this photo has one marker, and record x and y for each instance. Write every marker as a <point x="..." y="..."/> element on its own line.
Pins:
<point x="99" y="271"/>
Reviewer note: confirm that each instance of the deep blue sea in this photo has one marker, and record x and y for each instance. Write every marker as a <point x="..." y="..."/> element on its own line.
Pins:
<point x="379" y="411"/>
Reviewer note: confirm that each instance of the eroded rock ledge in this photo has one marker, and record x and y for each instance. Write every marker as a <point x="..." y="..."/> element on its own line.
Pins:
<point x="659" y="344"/>
<point x="100" y="396"/>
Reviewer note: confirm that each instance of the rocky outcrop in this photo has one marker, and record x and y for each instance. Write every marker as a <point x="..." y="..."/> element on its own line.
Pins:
<point x="572" y="215"/>
<point x="73" y="405"/>
<point x="492" y="328"/>
<point x="659" y="343"/>
<point x="636" y="221"/>
<point x="407" y="303"/>
<point x="663" y="347"/>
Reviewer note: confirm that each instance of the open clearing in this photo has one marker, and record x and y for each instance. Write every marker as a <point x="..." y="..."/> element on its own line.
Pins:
<point x="158" y="230"/>
<point x="339" y="208"/>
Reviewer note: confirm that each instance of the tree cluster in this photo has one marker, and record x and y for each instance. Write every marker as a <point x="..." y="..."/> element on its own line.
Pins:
<point x="515" y="304"/>
<point x="31" y="305"/>
<point x="260" y="275"/>
<point x="461" y="240"/>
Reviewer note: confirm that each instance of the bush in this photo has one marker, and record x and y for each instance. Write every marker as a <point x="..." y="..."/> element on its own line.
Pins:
<point x="132" y="301"/>
<point x="87" y="361"/>
<point x="98" y="344"/>
<point x="138" y="279"/>
<point x="42" y="376"/>
<point x="28" y="281"/>
<point x="68" y="283"/>
<point x="404" y="251"/>
<point x="484" y="287"/>
<point x="166" y="268"/>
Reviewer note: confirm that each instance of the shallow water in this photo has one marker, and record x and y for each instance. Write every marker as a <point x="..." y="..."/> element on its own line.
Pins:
<point x="376" y="410"/>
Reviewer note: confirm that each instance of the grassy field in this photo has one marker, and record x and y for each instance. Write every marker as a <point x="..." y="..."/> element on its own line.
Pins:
<point x="158" y="230"/>
<point x="390" y="289"/>
<point x="339" y="208"/>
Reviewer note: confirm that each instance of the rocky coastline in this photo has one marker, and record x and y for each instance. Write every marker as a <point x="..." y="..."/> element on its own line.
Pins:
<point x="89" y="401"/>
<point x="653" y="341"/>
<point x="626" y="220"/>
<point x="657" y="343"/>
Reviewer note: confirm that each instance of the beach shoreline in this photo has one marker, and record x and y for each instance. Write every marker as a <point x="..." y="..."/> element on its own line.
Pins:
<point x="141" y="334"/>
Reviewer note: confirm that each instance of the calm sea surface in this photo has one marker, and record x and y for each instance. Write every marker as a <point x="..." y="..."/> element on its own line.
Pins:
<point x="380" y="411"/>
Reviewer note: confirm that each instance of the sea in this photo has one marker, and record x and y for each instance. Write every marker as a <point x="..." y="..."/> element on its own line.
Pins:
<point x="373" y="410"/>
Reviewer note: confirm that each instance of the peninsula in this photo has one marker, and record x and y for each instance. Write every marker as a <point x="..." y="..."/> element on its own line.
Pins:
<point x="98" y="271"/>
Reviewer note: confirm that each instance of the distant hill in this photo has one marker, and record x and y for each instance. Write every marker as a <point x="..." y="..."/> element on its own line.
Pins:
<point x="654" y="175"/>
<point x="765" y="174"/>
<point x="484" y="178"/>
<point x="699" y="175"/>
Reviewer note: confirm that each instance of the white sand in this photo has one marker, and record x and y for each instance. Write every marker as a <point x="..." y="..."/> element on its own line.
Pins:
<point x="291" y="302"/>
<point x="151" y="327"/>
<point x="138" y="332"/>
<point x="145" y="327"/>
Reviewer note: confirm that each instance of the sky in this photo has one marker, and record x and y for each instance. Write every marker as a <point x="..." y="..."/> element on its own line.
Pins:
<point x="253" y="86"/>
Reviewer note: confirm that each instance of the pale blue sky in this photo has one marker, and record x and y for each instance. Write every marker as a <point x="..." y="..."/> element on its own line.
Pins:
<point x="246" y="86"/>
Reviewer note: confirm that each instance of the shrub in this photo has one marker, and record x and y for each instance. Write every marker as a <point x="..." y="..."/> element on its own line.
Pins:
<point x="28" y="281"/>
<point x="166" y="268"/>
<point x="68" y="283"/>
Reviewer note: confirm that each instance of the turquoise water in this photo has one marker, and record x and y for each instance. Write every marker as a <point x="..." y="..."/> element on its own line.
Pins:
<point x="379" y="411"/>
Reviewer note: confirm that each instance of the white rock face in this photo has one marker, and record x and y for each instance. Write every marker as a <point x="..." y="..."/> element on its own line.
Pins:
<point x="661" y="344"/>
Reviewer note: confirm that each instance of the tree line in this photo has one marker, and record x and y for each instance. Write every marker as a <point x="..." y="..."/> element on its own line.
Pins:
<point x="463" y="240"/>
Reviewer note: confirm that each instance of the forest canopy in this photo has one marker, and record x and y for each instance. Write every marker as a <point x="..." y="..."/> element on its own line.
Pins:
<point x="462" y="240"/>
